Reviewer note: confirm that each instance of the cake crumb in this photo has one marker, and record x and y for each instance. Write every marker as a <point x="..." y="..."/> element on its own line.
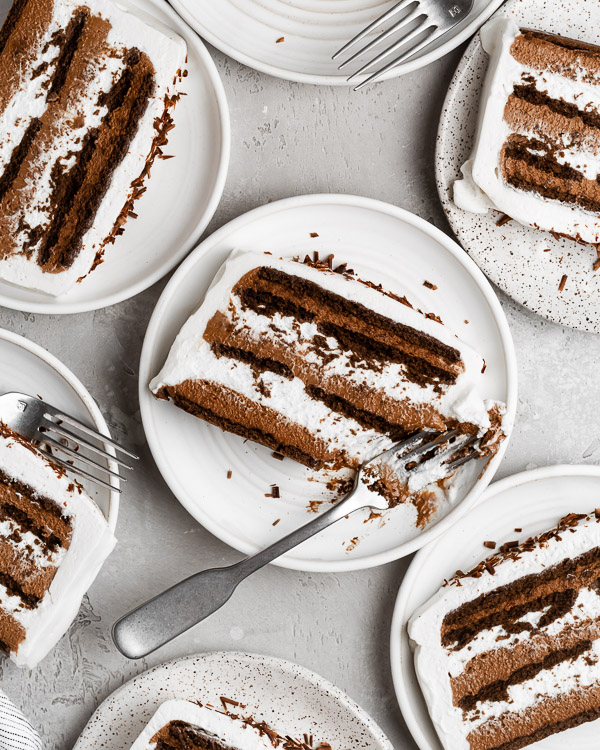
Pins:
<point x="518" y="530"/>
<point x="229" y="474"/>
<point x="563" y="281"/>
<point x="429" y="285"/>
<point x="274" y="492"/>
<point x="281" y="39"/>
<point x="278" y="456"/>
<point x="276" y="521"/>
<point x="314" y="234"/>
<point x="490" y="545"/>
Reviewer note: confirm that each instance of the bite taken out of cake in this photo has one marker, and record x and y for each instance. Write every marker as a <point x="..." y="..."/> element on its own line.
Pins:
<point x="326" y="369"/>
<point x="87" y="93"/>
<point x="509" y="652"/>
<point x="536" y="156"/>
<point x="53" y="542"/>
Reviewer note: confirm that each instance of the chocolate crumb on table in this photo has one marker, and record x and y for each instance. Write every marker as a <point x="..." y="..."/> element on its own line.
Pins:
<point x="490" y="545"/>
<point x="429" y="285"/>
<point x="314" y="234"/>
<point x="229" y="474"/>
<point x="278" y="456"/>
<point x="276" y="522"/>
<point x="563" y="281"/>
<point x="281" y="39"/>
<point x="504" y="219"/>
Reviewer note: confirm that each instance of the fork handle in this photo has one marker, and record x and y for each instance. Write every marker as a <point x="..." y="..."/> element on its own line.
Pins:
<point x="159" y="620"/>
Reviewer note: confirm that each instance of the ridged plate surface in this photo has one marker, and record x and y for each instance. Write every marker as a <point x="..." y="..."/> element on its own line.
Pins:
<point x="383" y="244"/>
<point x="312" y="31"/>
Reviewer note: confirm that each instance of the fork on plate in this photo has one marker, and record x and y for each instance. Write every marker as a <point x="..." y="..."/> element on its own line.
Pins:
<point x="159" y="620"/>
<point x="44" y="424"/>
<point x="421" y="23"/>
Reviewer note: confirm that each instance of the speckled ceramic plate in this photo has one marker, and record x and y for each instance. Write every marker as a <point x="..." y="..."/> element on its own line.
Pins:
<point x="383" y="244"/>
<point x="533" y="501"/>
<point x="27" y="368"/>
<point x="513" y="256"/>
<point x="311" y="32"/>
<point x="182" y="194"/>
<point x="291" y="699"/>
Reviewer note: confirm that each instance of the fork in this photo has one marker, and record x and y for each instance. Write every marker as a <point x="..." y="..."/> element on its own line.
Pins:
<point x="171" y="613"/>
<point x="425" y="21"/>
<point x="38" y="421"/>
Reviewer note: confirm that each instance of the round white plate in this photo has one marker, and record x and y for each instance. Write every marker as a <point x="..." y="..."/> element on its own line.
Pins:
<point x="183" y="193"/>
<point x="533" y="501"/>
<point x="27" y="368"/>
<point x="513" y="256"/>
<point x="291" y="699"/>
<point x="383" y="244"/>
<point x="313" y="30"/>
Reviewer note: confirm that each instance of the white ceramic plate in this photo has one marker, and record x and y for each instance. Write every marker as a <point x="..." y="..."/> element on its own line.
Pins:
<point x="182" y="194"/>
<point x="513" y="256"/>
<point x="290" y="698"/>
<point x="383" y="244"/>
<point x="27" y="368"/>
<point x="534" y="501"/>
<point x="312" y="30"/>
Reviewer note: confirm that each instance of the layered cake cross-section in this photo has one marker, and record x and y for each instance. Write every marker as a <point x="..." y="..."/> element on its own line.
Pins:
<point x="509" y="653"/>
<point x="53" y="541"/>
<point x="87" y="92"/>
<point x="184" y="725"/>
<point x="537" y="150"/>
<point x="322" y="367"/>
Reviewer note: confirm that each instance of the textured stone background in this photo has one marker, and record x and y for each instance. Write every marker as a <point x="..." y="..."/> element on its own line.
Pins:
<point x="288" y="139"/>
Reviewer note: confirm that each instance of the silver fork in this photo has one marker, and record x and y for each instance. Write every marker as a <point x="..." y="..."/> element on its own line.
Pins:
<point x="159" y="620"/>
<point x="38" y="421"/>
<point x="423" y="23"/>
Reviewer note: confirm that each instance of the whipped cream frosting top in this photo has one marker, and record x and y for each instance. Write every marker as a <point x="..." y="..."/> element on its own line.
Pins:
<point x="91" y="542"/>
<point x="232" y="732"/>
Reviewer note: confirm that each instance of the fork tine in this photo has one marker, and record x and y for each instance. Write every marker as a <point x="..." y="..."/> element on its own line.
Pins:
<point x="405" y="21"/>
<point x="440" y="458"/>
<point x="428" y="446"/>
<point x="404" y="39"/>
<point x="453" y="465"/>
<point x="53" y="427"/>
<point x="433" y="34"/>
<point x="89" y="431"/>
<point x="84" y="459"/>
<point x="377" y="22"/>
<point x="80" y="472"/>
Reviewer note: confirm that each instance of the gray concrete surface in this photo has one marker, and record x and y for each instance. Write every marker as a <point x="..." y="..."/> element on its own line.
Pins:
<point x="288" y="139"/>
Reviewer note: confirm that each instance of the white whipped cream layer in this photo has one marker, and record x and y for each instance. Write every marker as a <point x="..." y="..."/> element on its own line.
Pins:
<point x="231" y="732"/>
<point x="435" y="663"/>
<point x="129" y="28"/>
<point x="91" y="543"/>
<point x="191" y="358"/>
<point x="482" y="186"/>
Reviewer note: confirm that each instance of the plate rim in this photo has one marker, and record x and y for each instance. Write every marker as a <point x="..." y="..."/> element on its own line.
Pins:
<point x="400" y="615"/>
<point x="82" y="392"/>
<point x="302" y="201"/>
<point x="333" y="80"/>
<point x="173" y="259"/>
<point x="320" y="683"/>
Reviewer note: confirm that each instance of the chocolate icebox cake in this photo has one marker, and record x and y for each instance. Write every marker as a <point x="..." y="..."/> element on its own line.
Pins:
<point x="325" y="369"/>
<point x="53" y="541"/>
<point x="183" y="725"/>
<point x="537" y="150"/>
<point x="508" y="653"/>
<point x="87" y="91"/>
